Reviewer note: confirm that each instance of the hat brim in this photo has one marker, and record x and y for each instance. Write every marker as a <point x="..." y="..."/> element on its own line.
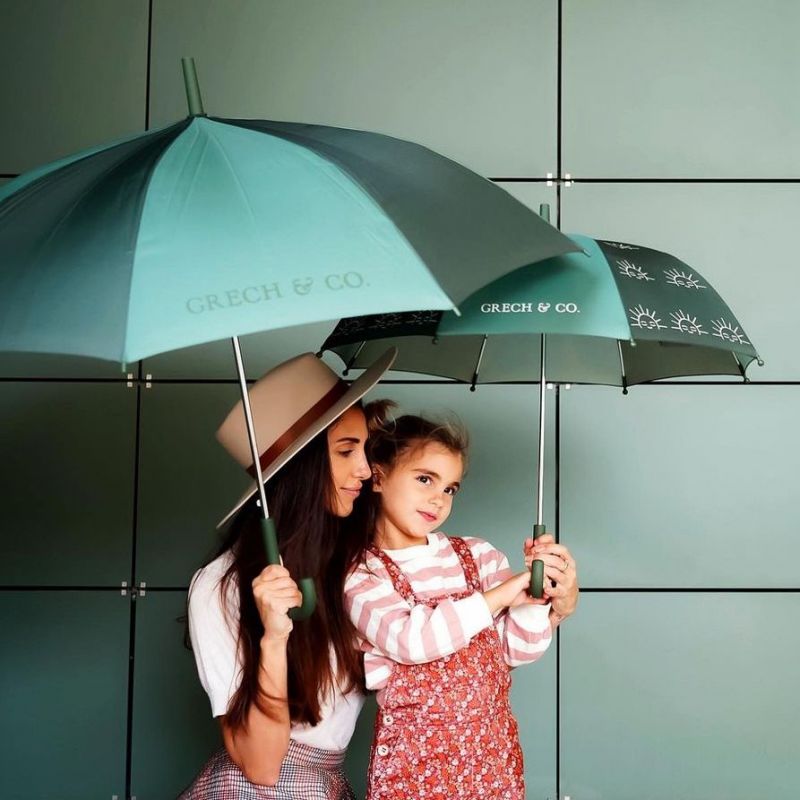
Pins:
<point x="357" y="390"/>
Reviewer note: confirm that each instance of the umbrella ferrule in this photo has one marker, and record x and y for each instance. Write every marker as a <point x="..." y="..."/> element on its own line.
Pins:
<point x="193" y="98"/>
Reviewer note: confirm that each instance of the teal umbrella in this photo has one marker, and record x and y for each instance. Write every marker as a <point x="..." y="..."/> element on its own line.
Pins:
<point x="213" y="228"/>
<point x="614" y="313"/>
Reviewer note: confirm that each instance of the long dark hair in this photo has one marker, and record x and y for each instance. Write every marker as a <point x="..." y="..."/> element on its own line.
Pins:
<point x="312" y="542"/>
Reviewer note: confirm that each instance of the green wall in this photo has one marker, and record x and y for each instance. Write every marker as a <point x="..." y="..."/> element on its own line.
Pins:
<point x="678" y="123"/>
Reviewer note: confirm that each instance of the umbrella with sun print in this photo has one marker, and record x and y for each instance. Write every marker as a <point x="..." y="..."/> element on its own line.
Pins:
<point x="615" y="313"/>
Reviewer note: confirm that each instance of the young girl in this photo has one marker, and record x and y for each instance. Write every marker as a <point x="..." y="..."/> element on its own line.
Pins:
<point x="442" y="619"/>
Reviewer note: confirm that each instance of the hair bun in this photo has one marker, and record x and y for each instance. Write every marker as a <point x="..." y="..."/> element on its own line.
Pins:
<point x="379" y="420"/>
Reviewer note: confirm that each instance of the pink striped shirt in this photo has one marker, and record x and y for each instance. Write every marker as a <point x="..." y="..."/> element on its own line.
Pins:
<point x="393" y="632"/>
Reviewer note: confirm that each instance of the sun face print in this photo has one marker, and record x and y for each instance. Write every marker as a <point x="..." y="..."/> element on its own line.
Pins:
<point x="682" y="322"/>
<point x="630" y="270"/>
<point x="620" y="245"/>
<point x="677" y="278"/>
<point x="644" y="318"/>
<point x="728" y="332"/>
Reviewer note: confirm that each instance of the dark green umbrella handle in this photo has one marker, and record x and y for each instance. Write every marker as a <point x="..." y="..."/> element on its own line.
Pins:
<point x="307" y="588"/>
<point x="536" y="588"/>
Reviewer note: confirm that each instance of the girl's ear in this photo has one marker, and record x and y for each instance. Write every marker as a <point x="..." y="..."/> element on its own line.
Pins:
<point x="377" y="478"/>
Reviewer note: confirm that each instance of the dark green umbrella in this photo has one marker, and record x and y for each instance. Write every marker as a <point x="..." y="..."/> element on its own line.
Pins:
<point x="615" y="313"/>
<point x="213" y="228"/>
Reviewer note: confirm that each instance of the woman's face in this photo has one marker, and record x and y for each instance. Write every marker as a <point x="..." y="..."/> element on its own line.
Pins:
<point x="347" y="438"/>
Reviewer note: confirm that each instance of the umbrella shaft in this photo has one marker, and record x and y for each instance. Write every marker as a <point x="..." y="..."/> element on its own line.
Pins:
<point x="542" y="396"/>
<point x="251" y="429"/>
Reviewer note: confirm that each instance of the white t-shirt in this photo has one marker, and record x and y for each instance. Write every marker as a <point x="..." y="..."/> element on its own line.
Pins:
<point x="219" y="666"/>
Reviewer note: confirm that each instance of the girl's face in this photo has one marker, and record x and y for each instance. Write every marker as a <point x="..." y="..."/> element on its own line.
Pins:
<point x="347" y="437"/>
<point x="417" y="493"/>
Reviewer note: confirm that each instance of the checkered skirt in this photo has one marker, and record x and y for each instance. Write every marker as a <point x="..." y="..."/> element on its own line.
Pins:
<point x="307" y="773"/>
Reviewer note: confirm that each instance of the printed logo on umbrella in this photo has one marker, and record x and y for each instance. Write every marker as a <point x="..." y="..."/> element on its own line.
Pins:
<point x="631" y="270"/>
<point x="620" y="245"/>
<point x="728" y="332"/>
<point x="677" y="278"/>
<point x="528" y="308"/>
<point x="685" y="324"/>
<point x="646" y="319"/>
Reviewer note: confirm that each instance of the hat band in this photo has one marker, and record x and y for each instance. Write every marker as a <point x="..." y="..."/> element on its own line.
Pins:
<point x="319" y="408"/>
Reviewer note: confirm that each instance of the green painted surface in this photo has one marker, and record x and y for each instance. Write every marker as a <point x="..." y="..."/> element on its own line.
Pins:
<point x="63" y="691"/>
<point x="68" y="454"/>
<point x="74" y="74"/>
<point x="173" y="730"/>
<point x="670" y="696"/>
<point x="376" y="66"/>
<point x="726" y="106"/>
<point x="187" y="481"/>
<point x="666" y="487"/>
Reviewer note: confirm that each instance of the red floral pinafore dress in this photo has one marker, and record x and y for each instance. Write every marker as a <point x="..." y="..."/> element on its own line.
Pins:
<point x="445" y="729"/>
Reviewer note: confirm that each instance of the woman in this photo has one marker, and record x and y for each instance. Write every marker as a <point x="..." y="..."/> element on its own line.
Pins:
<point x="287" y="704"/>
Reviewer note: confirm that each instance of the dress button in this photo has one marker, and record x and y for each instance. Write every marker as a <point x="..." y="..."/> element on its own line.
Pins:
<point x="388" y="719"/>
<point x="383" y="750"/>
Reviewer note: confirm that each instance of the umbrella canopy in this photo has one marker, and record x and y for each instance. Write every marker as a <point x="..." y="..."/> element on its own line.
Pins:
<point x="214" y="228"/>
<point x="615" y="313"/>
<point x="211" y="228"/>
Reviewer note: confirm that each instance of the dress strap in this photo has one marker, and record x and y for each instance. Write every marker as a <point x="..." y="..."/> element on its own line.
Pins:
<point x="400" y="582"/>
<point x="467" y="560"/>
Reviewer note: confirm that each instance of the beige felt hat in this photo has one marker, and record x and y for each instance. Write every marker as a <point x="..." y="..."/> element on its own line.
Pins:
<point x="291" y="404"/>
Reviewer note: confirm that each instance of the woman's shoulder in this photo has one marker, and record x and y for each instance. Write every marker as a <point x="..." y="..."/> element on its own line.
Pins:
<point x="205" y="582"/>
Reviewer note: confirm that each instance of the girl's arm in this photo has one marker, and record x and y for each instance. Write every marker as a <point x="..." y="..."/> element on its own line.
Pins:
<point x="525" y="629"/>
<point x="391" y="628"/>
<point x="259" y="746"/>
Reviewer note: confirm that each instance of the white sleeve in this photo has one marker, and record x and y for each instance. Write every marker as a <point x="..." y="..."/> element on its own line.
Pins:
<point x="214" y="641"/>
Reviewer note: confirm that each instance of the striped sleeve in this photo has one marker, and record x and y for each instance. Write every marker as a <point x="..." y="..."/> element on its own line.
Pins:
<point x="525" y="630"/>
<point x="392" y="631"/>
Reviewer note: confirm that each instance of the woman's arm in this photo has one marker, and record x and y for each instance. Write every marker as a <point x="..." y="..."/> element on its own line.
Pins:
<point x="561" y="569"/>
<point x="258" y="747"/>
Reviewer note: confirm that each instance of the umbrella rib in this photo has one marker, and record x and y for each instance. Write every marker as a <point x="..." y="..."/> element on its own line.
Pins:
<point x="135" y="237"/>
<point x="739" y="364"/>
<point x="239" y="185"/>
<point x="352" y="359"/>
<point x="478" y="364"/>
<point x="622" y="368"/>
